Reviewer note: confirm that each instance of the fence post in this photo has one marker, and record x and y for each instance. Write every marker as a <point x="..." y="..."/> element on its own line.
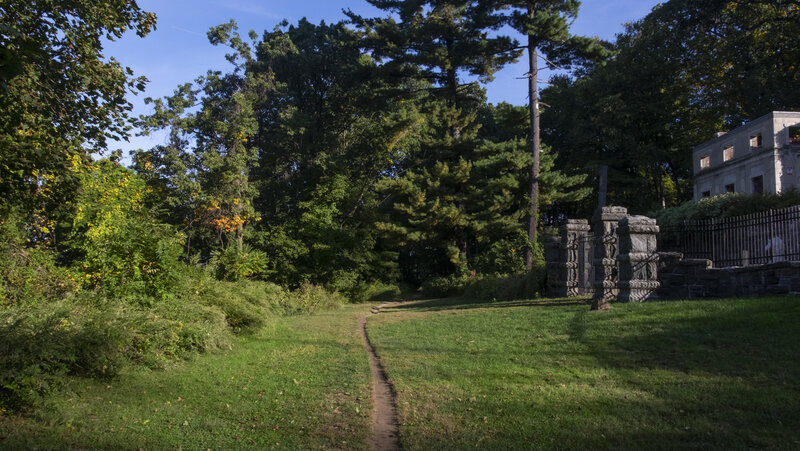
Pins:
<point x="638" y="259"/>
<point x="606" y="273"/>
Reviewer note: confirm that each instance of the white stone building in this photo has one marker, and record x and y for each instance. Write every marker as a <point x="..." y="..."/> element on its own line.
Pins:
<point x="761" y="156"/>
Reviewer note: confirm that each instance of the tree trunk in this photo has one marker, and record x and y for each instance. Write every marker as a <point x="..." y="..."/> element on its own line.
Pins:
<point x="533" y="94"/>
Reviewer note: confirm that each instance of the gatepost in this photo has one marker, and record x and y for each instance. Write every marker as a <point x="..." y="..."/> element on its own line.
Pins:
<point x="638" y="259"/>
<point x="606" y="272"/>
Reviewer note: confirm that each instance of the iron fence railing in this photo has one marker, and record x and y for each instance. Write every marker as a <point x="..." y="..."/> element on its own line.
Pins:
<point x="753" y="239"/>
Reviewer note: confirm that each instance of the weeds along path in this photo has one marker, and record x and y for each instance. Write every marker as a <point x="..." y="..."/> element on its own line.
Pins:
<point x="385" y="426"/>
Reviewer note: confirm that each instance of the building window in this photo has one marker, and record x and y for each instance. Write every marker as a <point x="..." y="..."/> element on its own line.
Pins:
<point x="706" y="194"/>
<point x="727" y="153"/>
<point x="758" y="184"/>
<point x="705" y="162"/>
<point x="730" y="188"/>
<point x="794" y="134"/>
<point x="755" y="141"/>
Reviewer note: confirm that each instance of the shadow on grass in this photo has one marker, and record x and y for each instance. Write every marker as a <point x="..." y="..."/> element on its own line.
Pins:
<point x="465" y="303"/>
<point x="731" y="337"/>
<point x="721" y="374"/>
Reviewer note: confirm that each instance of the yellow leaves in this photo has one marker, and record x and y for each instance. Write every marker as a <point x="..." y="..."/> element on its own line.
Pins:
<point x="229" y="224"/>
<point x="23" y="131"/>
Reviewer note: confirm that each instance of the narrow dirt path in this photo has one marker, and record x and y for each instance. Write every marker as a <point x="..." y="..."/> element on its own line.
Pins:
<point x="385" y="432"/>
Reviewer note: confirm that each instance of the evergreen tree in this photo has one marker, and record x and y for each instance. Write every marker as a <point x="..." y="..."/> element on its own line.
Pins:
<point x="437" y="42"/>
<point x="545" y="23"/>
<point x="333" y="127"/>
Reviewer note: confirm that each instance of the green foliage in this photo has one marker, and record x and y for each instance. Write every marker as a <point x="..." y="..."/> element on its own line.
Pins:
<point x="503" y="256"/>
<point x="308" y="299"/>
<point x="508" y="287"/>
<point x="59" y="96"/>
<point x="686" y="70"/>
<point x="28" y="273"/>
<point x="234" y="264"/>
<point x="725" y="205"/>
<point x="376" y="292"/>
<point x="444" y="286"/>
<point x="90" y="334"/>
<point x="94" y="336"/>
<point x="115" y="242"/>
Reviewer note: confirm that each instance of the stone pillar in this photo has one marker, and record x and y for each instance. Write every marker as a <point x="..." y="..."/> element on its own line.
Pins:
<point x="573" y="235"/>
<point x="606" y="272"/>
<point x="638" y="259"/>
<point x="552" y="258"/>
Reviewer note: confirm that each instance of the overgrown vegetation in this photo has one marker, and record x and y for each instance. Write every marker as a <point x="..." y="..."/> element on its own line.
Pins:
<point x="302" y="382"/>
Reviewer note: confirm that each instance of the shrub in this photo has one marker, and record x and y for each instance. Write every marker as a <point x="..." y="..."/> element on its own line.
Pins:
<point x="376" y="291"/>
<point x="234" y="264"/>
<point x="28" y="274"/>
<point x="725" y="205"/>
<point x="444" y="286"/>
<point x="309" y="299"/>
<point x="93" y="336"/>
<point x="115" y="241"/>
<point x="508" y="287"/>
<point x="42" y="344"/>
<point x="504" y="256"/>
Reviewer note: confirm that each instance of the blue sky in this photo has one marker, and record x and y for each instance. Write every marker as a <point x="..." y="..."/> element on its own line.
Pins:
<point x="178" y="51"/>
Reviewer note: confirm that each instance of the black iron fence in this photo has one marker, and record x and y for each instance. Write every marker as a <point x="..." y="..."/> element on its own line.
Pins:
<point x="754" y="239"/>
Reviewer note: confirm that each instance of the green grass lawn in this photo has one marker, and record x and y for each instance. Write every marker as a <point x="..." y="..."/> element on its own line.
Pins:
<point x="518" y="375"/>
<point x="719" y="374"/>
<point x="302" y="384"/>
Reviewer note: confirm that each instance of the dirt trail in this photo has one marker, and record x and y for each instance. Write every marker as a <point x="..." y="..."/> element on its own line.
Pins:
<point x="384" y="415"/>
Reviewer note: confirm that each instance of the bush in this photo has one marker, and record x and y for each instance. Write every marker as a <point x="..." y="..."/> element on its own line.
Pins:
<point x="96" y="337"/>
<point x="234" y="264"/>
<point x="376" y="291"/>
<point x="115" y="241"/>
<point x="508" y="287"/>
<point x="438" y="287"/>
<point x="28" y="274"/>
<point x="309" y="299"/>
<point x="95" y="333"/>
<point x="504" y="256"/>
<point x="489" y="287"/>
<point x="725" y="205"/>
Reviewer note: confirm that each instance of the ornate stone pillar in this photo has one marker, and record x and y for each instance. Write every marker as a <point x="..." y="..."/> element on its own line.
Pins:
<point x="638" y="259"/>
<point x="606" y="273"/>
<point x="573" y="235"/>
<point x="552" y="258"/>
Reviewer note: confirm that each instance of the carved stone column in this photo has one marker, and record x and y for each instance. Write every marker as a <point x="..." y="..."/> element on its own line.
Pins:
<point x="638" y="259"/>
<point x="573" y="235"/>
<point x="606" y="272"/>
<point x="552" y="258"/>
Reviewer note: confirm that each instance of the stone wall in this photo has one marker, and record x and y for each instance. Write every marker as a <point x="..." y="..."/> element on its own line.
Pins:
<point x="695" y="278"/>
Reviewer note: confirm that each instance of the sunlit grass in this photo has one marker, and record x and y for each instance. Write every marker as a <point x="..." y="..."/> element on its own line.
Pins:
<point x="694" y="374"/>
<point x="302" y="384"/>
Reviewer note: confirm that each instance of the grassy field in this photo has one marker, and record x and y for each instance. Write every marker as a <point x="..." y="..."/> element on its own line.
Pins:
<point x="662" y="375"/>
<point x="303" y="384"/>
<point x="517" y="375"/>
